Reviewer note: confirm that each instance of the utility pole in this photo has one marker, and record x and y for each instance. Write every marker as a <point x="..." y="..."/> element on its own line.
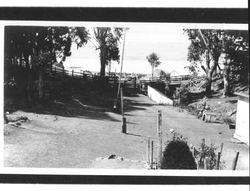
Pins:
<point x="123" y="47"/>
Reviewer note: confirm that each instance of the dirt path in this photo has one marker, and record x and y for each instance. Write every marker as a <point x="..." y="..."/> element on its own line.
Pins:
<point x="56" y="141"/>
<point x="143" y="120"/>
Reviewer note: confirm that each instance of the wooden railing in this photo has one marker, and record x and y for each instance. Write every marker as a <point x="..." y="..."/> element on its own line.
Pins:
<point x="176" y="79"/>
<point x="70" y="73"/>
<point x="84" y="75"/>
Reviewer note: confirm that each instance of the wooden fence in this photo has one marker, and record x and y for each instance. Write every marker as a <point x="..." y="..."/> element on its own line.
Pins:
<point x="55" y="71"/>
<point x="60" y="72"/>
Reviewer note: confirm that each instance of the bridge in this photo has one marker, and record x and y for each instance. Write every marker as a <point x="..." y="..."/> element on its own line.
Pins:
<point x="177" y="80"/>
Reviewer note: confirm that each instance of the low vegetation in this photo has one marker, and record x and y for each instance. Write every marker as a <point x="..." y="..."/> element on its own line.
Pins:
<point x="177" y="155"/>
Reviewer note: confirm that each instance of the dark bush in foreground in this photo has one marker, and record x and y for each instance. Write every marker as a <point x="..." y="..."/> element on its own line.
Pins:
<point x="177" y="155"/>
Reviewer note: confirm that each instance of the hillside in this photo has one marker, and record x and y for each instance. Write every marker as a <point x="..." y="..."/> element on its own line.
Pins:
<point x="225" y="108"/>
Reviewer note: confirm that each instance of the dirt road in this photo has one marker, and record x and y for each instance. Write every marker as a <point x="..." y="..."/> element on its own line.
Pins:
<point x="75" y="142"/>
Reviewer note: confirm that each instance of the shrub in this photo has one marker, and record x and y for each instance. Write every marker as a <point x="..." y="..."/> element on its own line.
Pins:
<point x="208" y="152"/>
<point x="184" y="94"/>
<point x="177" y="155"/>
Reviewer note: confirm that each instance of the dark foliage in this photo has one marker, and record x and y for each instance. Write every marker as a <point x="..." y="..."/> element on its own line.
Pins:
<point x="177" y="155"/>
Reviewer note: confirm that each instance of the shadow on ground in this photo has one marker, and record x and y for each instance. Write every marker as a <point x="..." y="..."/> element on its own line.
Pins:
<point x="92" y="103"/>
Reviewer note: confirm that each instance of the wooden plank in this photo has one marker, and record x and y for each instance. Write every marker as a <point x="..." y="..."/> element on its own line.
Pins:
<point x="159" y="134"/>
<point x="235" y="161"/>
<point x="152" y="154"/>
<point x="218" y="161"/>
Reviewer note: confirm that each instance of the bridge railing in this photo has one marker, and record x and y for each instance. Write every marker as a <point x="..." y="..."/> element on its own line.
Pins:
<point x="56" y="71"/>
<point x="179" y="78"/>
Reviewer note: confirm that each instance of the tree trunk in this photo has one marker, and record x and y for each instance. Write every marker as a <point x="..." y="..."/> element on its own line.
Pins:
<point x="103" y="62"/>
<point x="226" y="72"/>
<point x="40" y="84"/>
<point x="210" y="72"/>
<point x="28" y="77"/>
<point x="28" y="88"/>
<point x="152" y="72"/>
<point x="209" y="82"/>
<point x="109" y="67"/>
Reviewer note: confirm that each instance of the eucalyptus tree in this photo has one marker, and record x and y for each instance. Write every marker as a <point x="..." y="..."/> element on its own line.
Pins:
<point x="206" y="48"/>
<point x="38" y="47"/>
<point x="107" y="40"/>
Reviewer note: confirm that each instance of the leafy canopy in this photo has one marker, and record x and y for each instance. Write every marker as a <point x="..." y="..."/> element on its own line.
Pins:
<point x="108" y="41"/>
<point x="42" y="43"/>
<point x="154" y="59"/>
<point x="234" y="43"/>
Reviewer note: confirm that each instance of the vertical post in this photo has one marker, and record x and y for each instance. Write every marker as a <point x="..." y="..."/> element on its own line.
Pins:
<point x="124" y="126"/>
<point x="109" y="67"/>
<point x="235" y="161"/>
<point x="202" y="149"/>
<point x="206" y="163"/>
<point x="152" y="154"/>
<point x="221" y="148"/>
<point x="123" y="47"/>
<point x="135" y="83"/>
<point x="122" y="112"/>
<point x="159" y="134"/>
<point x="218" y="161"/>
<point x="148" y="151"/>
<point x="72" y="73"/>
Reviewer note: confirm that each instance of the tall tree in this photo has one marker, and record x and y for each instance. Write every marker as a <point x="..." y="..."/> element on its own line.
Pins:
<point x="235" y="58"/>
<point x="206" y="48"/>
<point x="108" y="40"/>
<point x="154" y="61"/>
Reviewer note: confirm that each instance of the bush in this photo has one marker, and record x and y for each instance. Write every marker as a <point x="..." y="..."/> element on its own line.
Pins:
<point x="177" y="155"/>
<point x="184" y="94"/>
<point x="208" y="152"/>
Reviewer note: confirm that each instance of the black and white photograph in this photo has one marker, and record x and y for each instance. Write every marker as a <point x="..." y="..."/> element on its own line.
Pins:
<point x="141" y="97"/>
<point x="125" y="98"/>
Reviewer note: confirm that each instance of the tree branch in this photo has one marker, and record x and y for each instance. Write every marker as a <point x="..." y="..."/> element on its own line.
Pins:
<point x="208" y="60"/>
<point x="204" y="69"/>
<point x="203" y="38"/>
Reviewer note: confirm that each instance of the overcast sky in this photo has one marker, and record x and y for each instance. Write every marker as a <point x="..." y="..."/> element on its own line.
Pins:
<point x="169" y="42"/>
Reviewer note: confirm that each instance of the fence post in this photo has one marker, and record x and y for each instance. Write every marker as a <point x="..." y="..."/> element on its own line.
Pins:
<point x="202" y="149"/>
<point x="148" y="150"/>
<point x="72" y="73"/>
<point x="235" y="161"/>
<point x="152" y="154"/>
<point x="218" y="161"/>
<point x="206" y="163"/>
<point x="122" y="112"/>
<point x="124" y="126"/>
<point x="135" y="86"/>
<point x="159" y="134"/>
<point x="221" y="148"/>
